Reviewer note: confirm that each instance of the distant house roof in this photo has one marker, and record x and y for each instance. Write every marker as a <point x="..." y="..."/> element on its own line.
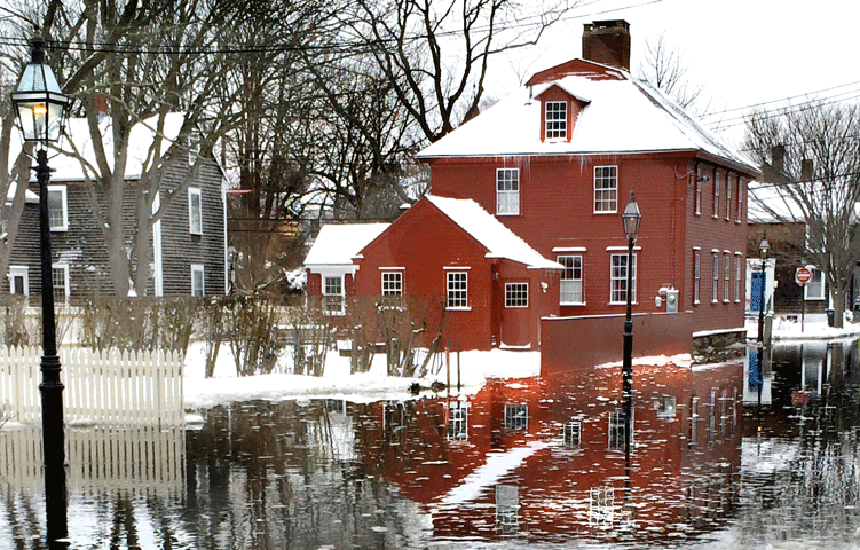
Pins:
<point x="339" y="244"/>
<point x="500" y="241"/>
<point x="767" y="204"/>
<point x="621" y="115"/>
<point x="141" y="138"/>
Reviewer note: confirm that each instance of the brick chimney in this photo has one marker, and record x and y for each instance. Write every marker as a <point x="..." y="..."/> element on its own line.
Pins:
<point x="607" y="42"/>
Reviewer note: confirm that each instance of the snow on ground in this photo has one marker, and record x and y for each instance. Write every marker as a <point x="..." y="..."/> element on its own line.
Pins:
<point x="475" y="368"/>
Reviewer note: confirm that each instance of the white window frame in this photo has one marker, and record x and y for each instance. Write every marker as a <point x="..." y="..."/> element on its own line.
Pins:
<point x="601" y="512"/>
<point x="65" y="286"/>
<point x="195" y="269"/>
<point x="457" y="297"/>
<point x="24" y="272"/>
<point x="507" y="191"/>
<point x="458" y="420"/>
<point x="810" y="287"/>
<point x="195" y="192"/>
<point x="618" y="281"/>
<point x="740" y="200"/>
<point x="571" y="435"/>
<point x="738" y="275"/>
<point x="715" y="277"/>
<point x="728" y="197"/>
<point x="555" y="127"/>
<point x="605" y="196"/>
<point x="393" y="286"/>
<point x="193" y="143"/>
<point x="516" y="416"/>
<point x="64" y="224"/>
<point x="727" y="273"/>
<point x="616" y="424"/>
<point x="697" y="198"/>
<point x="716" y="213"/>
<point x="333" y="298"/>
<point x="697" y="276"/>
<point x="570" y="288"/>
<point x="514" y="297"/>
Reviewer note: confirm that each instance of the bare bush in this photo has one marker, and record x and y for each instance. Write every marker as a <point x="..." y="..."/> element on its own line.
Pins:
<point x="311" y="337"/>
<point x="250" y="323"/>
<point x="19" y="328"/>
<point x="138" y="323"/>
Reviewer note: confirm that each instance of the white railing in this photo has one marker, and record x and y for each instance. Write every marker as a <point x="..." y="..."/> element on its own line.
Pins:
<point x="107" y="389"/>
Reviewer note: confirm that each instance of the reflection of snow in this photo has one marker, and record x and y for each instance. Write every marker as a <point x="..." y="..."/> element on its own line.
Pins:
<point x="488" y="475"/>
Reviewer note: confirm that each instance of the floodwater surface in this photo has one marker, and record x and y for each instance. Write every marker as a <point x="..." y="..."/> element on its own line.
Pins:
<point x="720" y="457"/>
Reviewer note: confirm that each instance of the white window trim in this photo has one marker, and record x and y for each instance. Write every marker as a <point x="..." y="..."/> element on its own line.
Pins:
<point x="66" y="285"/>
<point x="506" y="295"/>
<point x="633" y="281"/>
<point x="581" y="280"/>
<point x="193" y="142"/>
<point x="522" y="422"/>
<point x="823" y="295"/>
<point x="195" y="268"/>
<point x="382" y="289"/>
<point x="739" y="200"/>
<point x="192" y="191"/>
<point x="697" y="275"/>
<point x="546" y="121"/>
<point x="738" y="275"/>
<point x="20" y="270"/>
<point x="65" y="200"/>
<point x="594" y="189"/>
<point x="697" y="193"/>
<point x="729" y="197"/>
<point x="507" y="192"/>
<point x="715" y="276"/>
<point x="448" y="274"/>
<point x="716" y="197"/>
<point x="341" y="294"/>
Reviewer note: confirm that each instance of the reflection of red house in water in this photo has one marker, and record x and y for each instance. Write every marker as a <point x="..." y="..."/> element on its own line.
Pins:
<point x="544" y="457"/>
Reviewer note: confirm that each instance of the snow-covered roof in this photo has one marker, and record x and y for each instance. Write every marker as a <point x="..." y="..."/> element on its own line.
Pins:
<point x="622" y="115"/>
<point x="141" y="138"/>
<point x="500" y="241"/>
<point x="767" y="205"/>
<point x="339" y="244"/>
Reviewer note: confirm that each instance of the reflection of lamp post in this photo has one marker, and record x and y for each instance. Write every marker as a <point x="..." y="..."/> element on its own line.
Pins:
<point x="41" y="108"/>
<point x="630" y="218"/>
<point x="763" y="247"/>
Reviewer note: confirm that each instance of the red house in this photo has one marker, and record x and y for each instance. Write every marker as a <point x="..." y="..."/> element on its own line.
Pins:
<point x="556" y="163"/>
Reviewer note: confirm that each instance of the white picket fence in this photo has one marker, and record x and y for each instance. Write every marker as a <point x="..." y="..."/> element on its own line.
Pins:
<point x="109" y="389"/>
<point x="100" y="459"/>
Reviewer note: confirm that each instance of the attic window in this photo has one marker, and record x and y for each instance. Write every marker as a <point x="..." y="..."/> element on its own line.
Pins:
<point x="193" y="143"/>
<point x="556" y="120"/>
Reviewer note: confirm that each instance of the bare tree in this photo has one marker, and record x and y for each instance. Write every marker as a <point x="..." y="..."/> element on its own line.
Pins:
<point x="817" y="200"/>
<point x="665" y="68"/>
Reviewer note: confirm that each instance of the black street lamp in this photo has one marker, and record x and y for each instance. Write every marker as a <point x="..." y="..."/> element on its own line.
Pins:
<point x="41" y="109"/>
<point x="630" y="218"/>
<point x="763" y="248"/>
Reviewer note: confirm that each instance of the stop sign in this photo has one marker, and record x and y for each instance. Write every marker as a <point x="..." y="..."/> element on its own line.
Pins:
<point x="803" y="275"/>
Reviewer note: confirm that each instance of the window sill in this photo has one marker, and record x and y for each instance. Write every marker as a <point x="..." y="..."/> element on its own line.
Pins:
<point x="572" y="304"/>
<point x="606" y="212"/>
<point x="58" y="229"/>
<point x="715" y="302"/>
<point x="506" y="214"/>
<point x="458" y="309"/>
<point x="697" y="302"/>
<point x="334" y="314"/>
<point x="814" y="299"/>
<point x="633" y="303"/>
<point x="516" y="307"/>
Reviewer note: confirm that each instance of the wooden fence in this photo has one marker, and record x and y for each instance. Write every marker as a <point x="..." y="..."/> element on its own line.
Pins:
<point x="108" y="389"/>
<point x="100" y="459"/>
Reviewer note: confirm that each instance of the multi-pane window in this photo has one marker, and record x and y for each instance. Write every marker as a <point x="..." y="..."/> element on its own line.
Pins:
<point x="618" y="279"/>
<point x="516" y="416"/>
<point x="727" y="272"/>
<point x="58" y="208"/>
<point x="458" y="421"/>
<point x="507" y="191"/>
<point x="333" y="295"/>
<point x="61" y="283"/>
<point x="715" y="276"/>
<point x="392" y="283"/>
<point x="195" y="211"/>
<point x="516" y="295"/>
<point x="198" y="287"/>
<point x="814" y="289"/>
<point x="572" y="435"/>
<point x="738" y="274"/>
<point x="728" y="197"/>
<point x="556" y="120"/>
<point x="716" y="195"/>
<point x="602" y="511"/>
<point x="740" y="200"/>
<point x="698" y="192"/>
<point x="697" y="275"/>
<point x="605" y="189"/>
<point x="571" y="280"/>
<point x="458" y="287"/>
<point x="508" y="507"/>
<point x="193" y="142"/>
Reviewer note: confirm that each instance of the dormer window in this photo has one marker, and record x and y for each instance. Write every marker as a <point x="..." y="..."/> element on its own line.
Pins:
<point x="556" y="120"/>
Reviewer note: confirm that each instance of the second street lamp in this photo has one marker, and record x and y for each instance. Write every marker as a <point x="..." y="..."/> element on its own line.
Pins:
<point x="41" y="108"/>
<point x="630" y="218"/>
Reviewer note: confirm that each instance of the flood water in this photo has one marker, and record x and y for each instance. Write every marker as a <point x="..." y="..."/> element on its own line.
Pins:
<point x="537" y="463"/>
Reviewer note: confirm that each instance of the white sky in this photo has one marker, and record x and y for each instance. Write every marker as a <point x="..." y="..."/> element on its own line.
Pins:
<point x="742" y="51"/>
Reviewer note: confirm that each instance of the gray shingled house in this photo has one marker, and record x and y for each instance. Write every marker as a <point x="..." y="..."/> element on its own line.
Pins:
<point x="188" y="244"/>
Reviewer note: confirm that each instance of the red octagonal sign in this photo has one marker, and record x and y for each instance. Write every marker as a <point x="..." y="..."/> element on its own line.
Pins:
<point x="803" y="275"/>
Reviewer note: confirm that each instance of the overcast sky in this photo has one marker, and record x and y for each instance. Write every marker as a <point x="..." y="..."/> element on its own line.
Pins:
<point x="743" y="51"/>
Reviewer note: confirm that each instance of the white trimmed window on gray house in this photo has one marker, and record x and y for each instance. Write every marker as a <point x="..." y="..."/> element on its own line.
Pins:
<point x="19" y="280"/>
<point x="198" y="281"/>
<point x="58" y="208"/>
<point x="195" y="211"/>
<point x="61" y="283"/>
<point x="193" y="144"/>
<point x="507" y="191"/>
<point x="814" y="289"/>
